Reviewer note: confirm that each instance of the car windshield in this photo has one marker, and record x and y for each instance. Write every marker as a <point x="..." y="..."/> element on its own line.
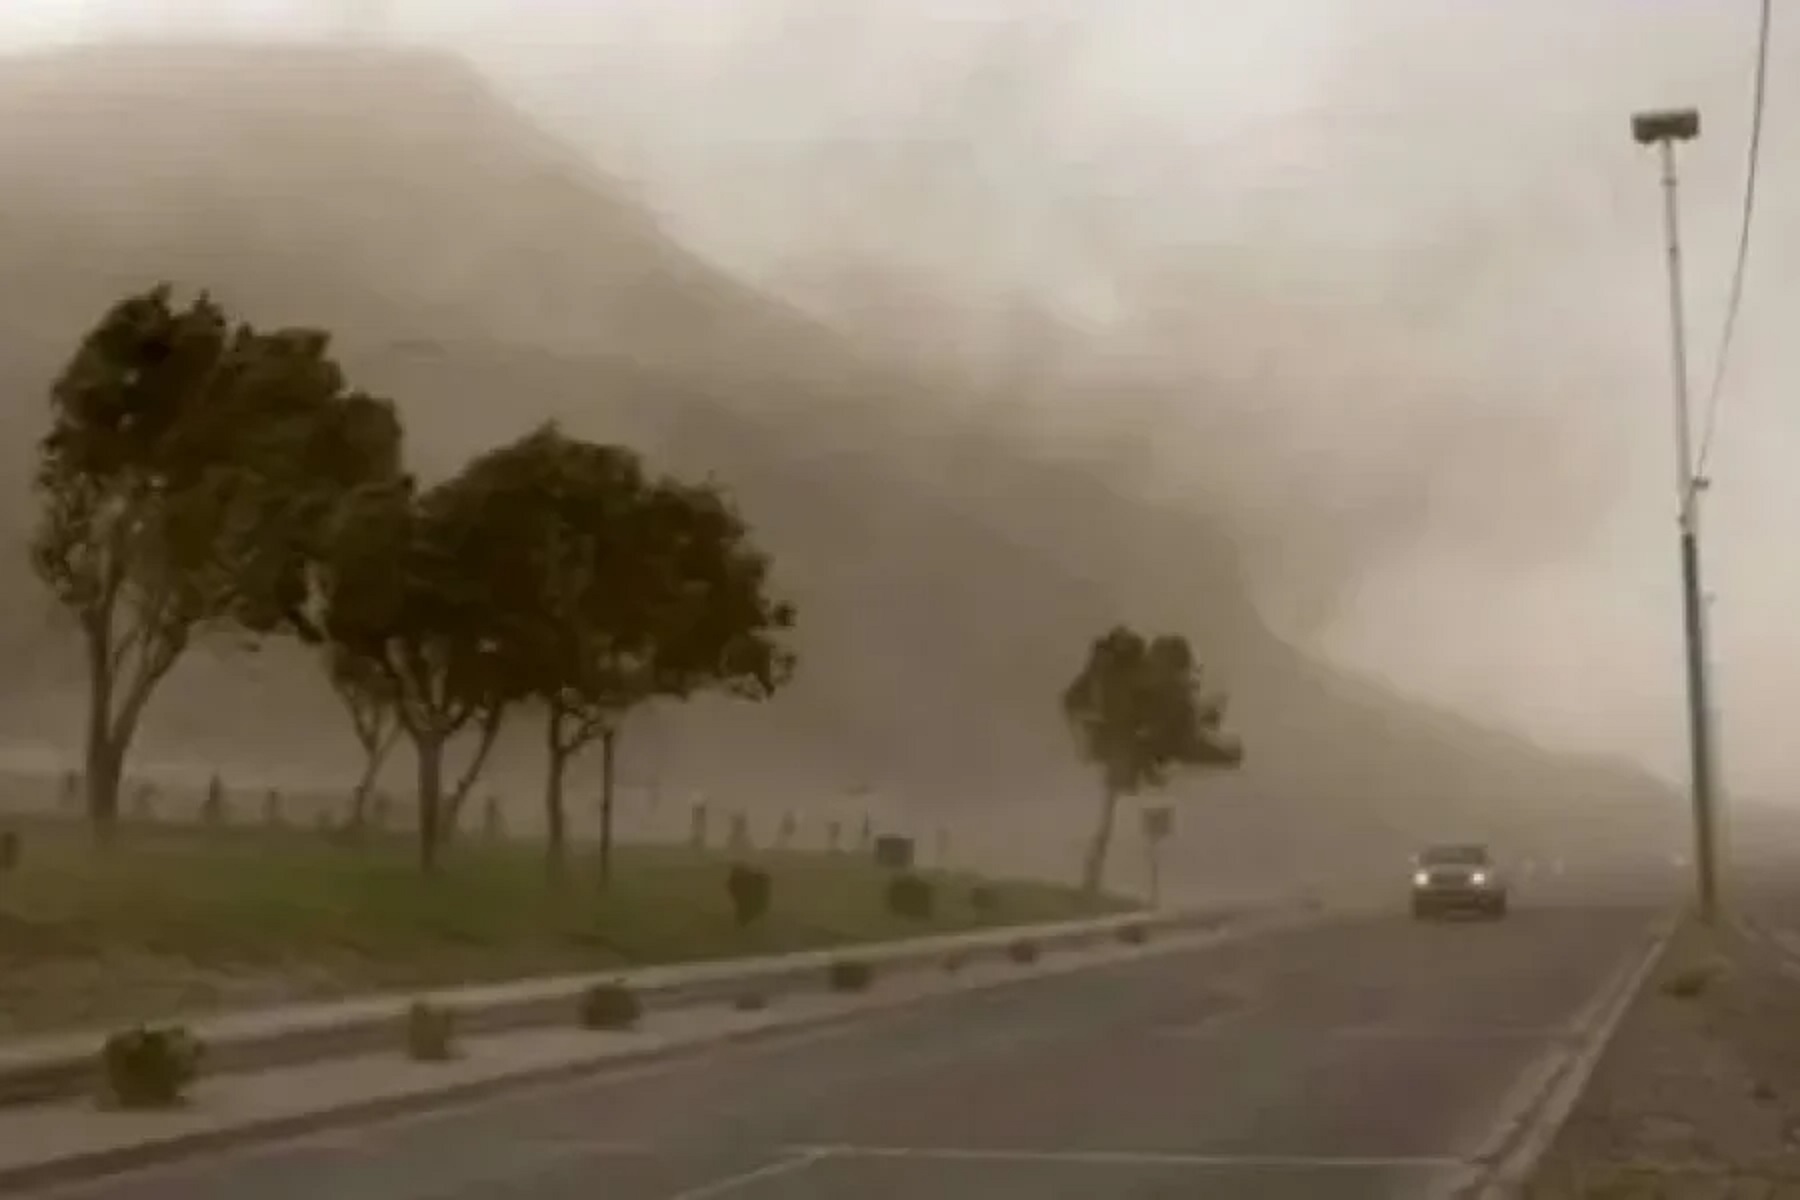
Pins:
<point x="1459" y="856"/>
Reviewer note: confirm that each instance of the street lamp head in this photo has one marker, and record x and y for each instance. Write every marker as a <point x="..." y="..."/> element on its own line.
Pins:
<point x="1665" y="125"/>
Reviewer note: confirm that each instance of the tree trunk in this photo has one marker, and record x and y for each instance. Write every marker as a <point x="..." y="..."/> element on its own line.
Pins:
<point x="453" y="806"/>
<point x="1094" y="872"/>
<point x="375" y="757"/>
<point x="609" y="739"/>
<point x="104" y="757"/>
<point x="430" y="748"/>
<point x="556" y="825"/>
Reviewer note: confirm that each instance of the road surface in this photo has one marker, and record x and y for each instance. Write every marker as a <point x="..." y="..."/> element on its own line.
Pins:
<point x="1360" y="1060"/>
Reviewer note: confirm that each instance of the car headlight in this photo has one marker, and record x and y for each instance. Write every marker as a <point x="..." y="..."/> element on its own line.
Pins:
<point x="1420" y="879"/>
<point x="1479" y="879"/>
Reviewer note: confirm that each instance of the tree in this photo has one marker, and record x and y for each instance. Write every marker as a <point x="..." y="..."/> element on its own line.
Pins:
<point x="616" y="589"/>
<point x="405" y="602"/>
<point x="190" y="470"/>
<point x="1138" y="713"/>
<point x="712" y="624"/>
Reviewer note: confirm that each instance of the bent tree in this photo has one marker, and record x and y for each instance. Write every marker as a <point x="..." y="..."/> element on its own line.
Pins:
<point x="190" y="469"/>
<point x="617" y="590"/>
<point x="1138" y="714"/>
<point x="405" y="604"/>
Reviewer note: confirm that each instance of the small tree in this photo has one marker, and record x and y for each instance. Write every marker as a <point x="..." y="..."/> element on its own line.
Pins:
<point x="189" y="470"/>
<point x="1137" y="713"/>
<point x="405" y="601"/>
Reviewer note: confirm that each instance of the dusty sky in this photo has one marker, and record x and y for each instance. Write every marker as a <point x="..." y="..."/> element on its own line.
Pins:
<point x="1431" y="215"/>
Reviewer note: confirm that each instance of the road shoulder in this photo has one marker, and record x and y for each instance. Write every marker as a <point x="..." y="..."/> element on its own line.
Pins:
<point x="1698" y="1093"/>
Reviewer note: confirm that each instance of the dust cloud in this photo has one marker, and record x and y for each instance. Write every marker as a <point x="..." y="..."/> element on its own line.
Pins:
<point x="1334" y="340"/>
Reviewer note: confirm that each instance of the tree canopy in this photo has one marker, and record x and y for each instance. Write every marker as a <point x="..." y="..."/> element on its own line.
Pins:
<point x="1138" y="713"/>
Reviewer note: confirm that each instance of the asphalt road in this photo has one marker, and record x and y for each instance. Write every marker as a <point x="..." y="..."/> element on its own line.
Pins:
<point x="1360" y="1060"/>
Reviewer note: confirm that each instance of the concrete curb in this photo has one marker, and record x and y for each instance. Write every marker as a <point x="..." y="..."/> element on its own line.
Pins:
<point x="155" y="1151"/>
<point x="64" y="1066"/>
<point x="1505" y="1168"/>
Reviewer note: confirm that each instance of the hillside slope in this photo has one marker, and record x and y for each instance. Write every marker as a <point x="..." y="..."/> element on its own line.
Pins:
<point x="947" y="578"/>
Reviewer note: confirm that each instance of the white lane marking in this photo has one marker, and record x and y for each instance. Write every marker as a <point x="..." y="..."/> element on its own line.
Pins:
<point x="731" y="1183"/>
<point x="1127" y="1158"/>
<point x="1226" y="1025"/>
<point x="1472" y="1033"/>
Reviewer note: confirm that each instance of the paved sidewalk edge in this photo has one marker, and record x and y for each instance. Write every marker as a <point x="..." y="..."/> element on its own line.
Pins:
<point x="62" y="1066"/>
<point x="84" y="1166"/>
<point x="1505" y="1169"/>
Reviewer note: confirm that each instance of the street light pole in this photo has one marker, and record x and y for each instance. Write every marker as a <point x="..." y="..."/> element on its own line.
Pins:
<point x="1663" y="129"/>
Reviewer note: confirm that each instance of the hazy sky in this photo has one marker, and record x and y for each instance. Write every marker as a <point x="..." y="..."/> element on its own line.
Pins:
<point x="1412" y="217"/>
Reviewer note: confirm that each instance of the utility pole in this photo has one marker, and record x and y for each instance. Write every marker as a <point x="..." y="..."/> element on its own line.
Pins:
<point x="1664" y="128"/>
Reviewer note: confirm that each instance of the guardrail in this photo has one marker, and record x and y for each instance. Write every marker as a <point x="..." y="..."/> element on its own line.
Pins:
<point x="43" y="1070"/>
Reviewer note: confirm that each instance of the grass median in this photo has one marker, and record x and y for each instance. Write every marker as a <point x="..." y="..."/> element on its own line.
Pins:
<point x="178" y="921"/>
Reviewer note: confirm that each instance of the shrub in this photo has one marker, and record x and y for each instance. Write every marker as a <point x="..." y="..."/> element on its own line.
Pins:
<point x="955" y="961"/>
<point x="1024" y="952"/>
<point x="610" y="1006"/>
<point x="149" y="1068"/>
<point x="911" y="897"/>
<point x="750" y="890"/>
<point x="984" y="899"/>
<point x="1134" y="934"/>
<point x="430" y="1032"/>
<point x="10" y="849"/>
<point x="851" y="975"/>
<point x="751" y="1002"/>
<point x="1690" y="981"/>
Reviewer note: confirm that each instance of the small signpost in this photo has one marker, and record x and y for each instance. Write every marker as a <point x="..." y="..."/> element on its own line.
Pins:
<point x="1159" y="825"/>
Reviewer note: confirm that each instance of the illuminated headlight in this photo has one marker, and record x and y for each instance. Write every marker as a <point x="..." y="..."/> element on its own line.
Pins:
<point x="1420" y="879"/>
<point x="1479" y="879"/>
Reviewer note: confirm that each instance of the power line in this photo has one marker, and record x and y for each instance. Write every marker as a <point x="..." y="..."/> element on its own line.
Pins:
<point x="1735" y="300"/>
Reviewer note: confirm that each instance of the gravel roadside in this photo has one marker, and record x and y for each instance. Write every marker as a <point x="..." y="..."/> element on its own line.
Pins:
<point x="1698" y="1096"/>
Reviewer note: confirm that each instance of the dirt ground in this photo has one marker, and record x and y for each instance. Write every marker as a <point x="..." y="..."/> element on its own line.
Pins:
<point x="1698" y="1096"/>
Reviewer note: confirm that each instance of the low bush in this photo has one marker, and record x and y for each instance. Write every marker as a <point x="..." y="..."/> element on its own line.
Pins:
<point x="911" y="897"/>
<point x="610" y="1006"/>
<point x="11" y="847"/>
<point x="984" y="899"/>
<point x="149" y="1068"/>
<point x="751" y="1002"/>
<point x="1134" y="934"/>
<point x="851" y="975"/>
<point x="750" y="889"/>
<point x="1689" y="982"/>
<point x="955" y="961"/>
<point x="1024" y="952"/>
<point x="430" y="1032"/>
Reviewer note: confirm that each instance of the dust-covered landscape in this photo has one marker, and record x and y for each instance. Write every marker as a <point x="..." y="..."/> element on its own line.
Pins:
<point x="946" y="543"/>
<point x="934" y="598"/>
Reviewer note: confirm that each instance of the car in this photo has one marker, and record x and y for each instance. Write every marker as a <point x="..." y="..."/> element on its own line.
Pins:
<point x="1457" y="877"/>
